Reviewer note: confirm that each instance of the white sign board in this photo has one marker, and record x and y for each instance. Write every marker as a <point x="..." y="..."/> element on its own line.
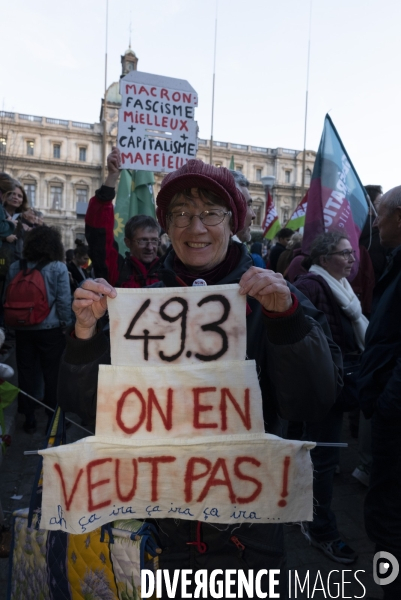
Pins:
<point x="179" y="400"/>
<point x="157" y="130"/>
<point x="225" y="479"/>
<point x="177" y="325"/>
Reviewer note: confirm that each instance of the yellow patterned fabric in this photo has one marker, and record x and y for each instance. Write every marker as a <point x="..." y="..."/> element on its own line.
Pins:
<point x="90" y="571"/>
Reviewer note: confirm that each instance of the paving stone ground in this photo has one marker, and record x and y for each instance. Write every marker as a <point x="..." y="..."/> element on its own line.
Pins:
<point x="17" y="473"/>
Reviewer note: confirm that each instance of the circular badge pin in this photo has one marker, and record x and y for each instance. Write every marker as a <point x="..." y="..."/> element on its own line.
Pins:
<point x="199" y="282"/>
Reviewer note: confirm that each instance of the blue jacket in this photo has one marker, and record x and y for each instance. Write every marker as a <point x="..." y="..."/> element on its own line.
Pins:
<point x="6" y="228"/>
<point x="57" y="284"/>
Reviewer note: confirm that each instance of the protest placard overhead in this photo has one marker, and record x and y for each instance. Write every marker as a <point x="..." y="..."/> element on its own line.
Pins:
<point x="157" y="130"/>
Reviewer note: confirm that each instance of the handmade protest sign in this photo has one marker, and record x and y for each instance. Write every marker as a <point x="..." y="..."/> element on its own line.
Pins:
<point x="224" y="479"/>
<point x="179" y="426"/>
<point x="156" y="126"/>
<point x="179" y="400"/>
<point x="177" y="325"/>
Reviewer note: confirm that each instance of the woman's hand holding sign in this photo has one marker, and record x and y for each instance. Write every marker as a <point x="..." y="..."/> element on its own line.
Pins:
<point x="269" y="288"/>
<point x="89" y="305"/>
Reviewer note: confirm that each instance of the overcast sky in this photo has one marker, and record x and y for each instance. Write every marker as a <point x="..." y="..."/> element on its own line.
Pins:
<point x="53" y="65"/>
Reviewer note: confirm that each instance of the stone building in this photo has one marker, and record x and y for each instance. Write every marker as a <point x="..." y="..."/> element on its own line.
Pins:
<point x="61" y="162"/>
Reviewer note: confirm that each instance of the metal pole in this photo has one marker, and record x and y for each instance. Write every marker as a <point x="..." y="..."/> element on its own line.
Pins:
<point x="325" y="444"/>
<point x="306" y="106"/>
<point x="104" y="152"/>
<point x="53" y="410"/>
<point x="214" y="79"/>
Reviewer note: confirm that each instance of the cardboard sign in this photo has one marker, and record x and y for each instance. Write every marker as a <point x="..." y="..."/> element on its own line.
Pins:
<point x="156" y="126"/>
<point x="225" y="479"/>
<point x="181" y="400"/>
<point x="177" y="325"/>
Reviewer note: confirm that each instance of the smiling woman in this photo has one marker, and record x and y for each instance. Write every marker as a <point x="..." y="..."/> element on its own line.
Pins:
<point x="199" y="229"/>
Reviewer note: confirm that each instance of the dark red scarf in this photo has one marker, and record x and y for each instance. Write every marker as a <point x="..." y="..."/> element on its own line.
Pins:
<point x="215" y="275"/>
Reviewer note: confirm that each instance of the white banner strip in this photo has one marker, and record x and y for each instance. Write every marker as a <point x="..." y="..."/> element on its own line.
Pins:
<point x="180" y="400"/>
<point x="225" y="479"/>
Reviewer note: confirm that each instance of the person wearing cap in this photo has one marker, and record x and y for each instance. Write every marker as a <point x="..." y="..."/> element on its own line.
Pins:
<point x="201" y="208"/>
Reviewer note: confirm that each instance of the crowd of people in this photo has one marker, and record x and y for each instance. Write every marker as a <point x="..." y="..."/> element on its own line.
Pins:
<point x="324" y="346"/>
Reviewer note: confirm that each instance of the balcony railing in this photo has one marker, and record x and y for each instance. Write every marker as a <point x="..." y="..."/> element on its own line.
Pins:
<point x="57" y="122"/>
<point x="82" y="125"/>
<point x="30" y="118"/>
<point x="239" y="146"/>
<point x="259" y="149"/>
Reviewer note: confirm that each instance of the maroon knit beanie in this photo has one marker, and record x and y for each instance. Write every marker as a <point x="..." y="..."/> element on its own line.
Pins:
<point x="197" y="174"/>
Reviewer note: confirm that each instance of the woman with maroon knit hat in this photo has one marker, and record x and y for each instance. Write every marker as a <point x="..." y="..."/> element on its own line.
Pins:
<point x="201" y="208"/>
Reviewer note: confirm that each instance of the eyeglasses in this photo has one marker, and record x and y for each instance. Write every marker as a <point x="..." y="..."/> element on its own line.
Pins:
<point x="143" y="242"/>
<point x="208" y="217"/>
<point x="344" y="253"/>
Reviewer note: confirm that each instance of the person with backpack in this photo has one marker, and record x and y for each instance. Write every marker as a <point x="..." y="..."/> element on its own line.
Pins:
<point x="37" y="304"/>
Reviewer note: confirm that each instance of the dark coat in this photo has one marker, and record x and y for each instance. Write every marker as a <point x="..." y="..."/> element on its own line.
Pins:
<point x="380" y="398"/>
<point x="319" y="293"/>
<point x="275" y="255"/>
<point x="380" y="375"/>
<point x="370" y="238"/>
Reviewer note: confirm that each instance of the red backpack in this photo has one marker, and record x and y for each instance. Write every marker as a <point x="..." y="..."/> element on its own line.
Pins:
<point x="26" y="297"/>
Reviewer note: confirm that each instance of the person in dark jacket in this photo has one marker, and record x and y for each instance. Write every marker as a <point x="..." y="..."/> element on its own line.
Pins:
<point x="286" y="257"/>
<point x="330" y="262"/>
<point x="142" y="237"/>
<point x="283" y="237"/>
<point x="201" y="208"/>
<point x="256" y="253"/>
<point x="77" y="265"/>
<point x="370" y="234"/>
<point x="380" y="393"/>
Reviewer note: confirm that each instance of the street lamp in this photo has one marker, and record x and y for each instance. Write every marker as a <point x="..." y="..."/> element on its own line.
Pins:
<point x="268" y="181"/>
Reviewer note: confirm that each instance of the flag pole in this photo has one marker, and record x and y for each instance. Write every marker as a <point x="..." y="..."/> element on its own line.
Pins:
<point x="104" y="149"/>
<point x="306" y="105"/>
<point x="54" y="410"/>
<point x="214" y="78"/>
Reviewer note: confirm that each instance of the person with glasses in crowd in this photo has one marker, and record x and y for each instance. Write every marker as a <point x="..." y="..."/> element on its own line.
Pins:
<point x="140" y="265"/>
<point x="330" y="262"/>
<point x="201" y="208"/>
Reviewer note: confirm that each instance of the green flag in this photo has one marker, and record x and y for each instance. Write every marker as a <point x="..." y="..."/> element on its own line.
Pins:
<point x="134" y="197"/>
<point x="297" y="219"/>
<point x="231" y="167"/>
